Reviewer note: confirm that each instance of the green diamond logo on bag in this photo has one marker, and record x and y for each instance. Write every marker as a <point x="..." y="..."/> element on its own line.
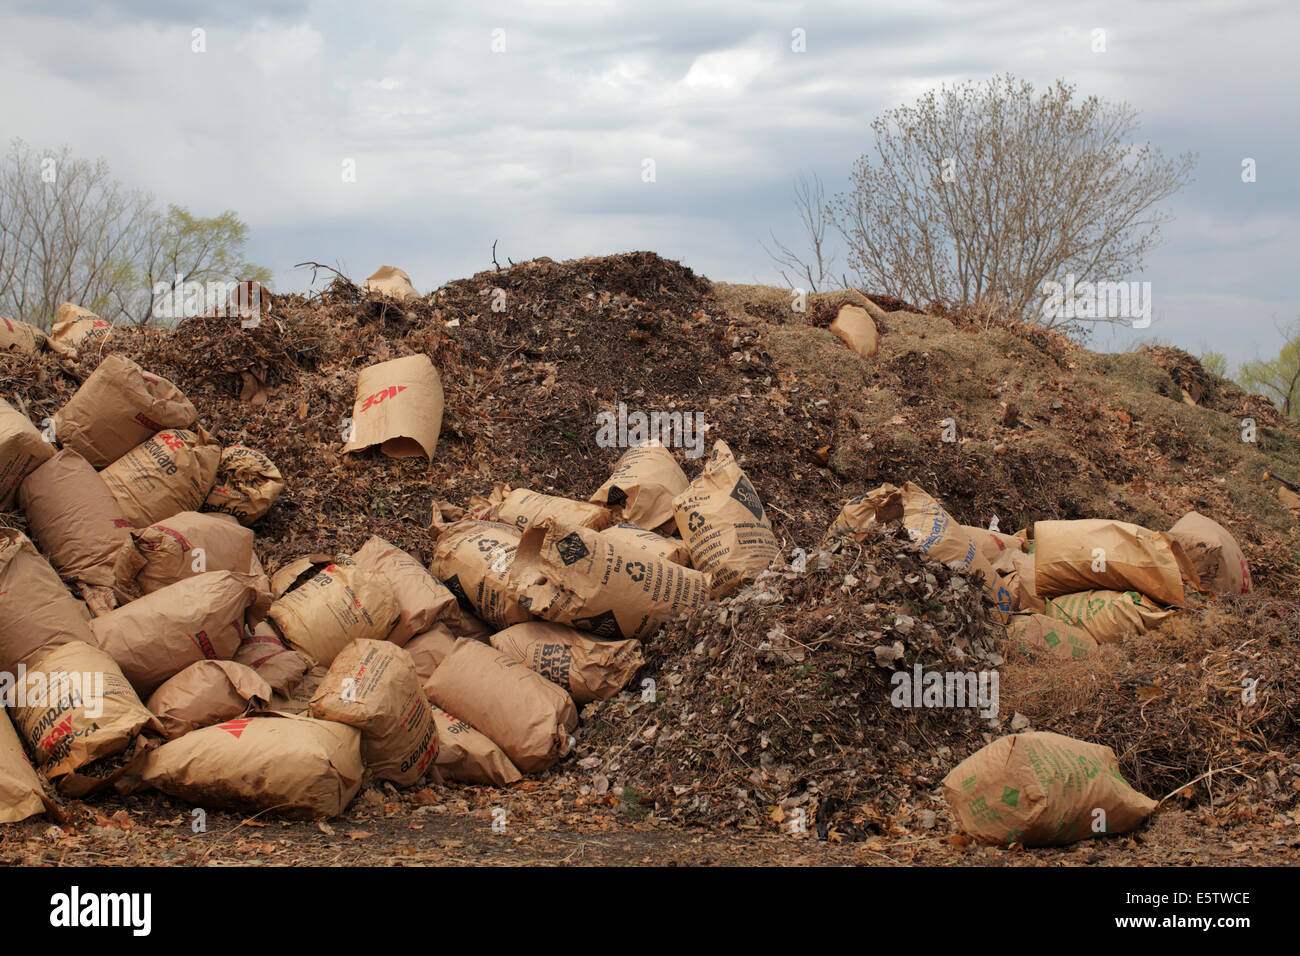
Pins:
<point x="1050" y="639"/>
<point x="744" y="493"/>
<point x="603" y="624"/>
<point x="571" y="548"/>
<point x="1011" y="796"/>
<point x="617" y="496"/>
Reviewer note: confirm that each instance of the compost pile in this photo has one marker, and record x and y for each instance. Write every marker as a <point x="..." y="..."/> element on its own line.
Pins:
<point x="776" y="698"/>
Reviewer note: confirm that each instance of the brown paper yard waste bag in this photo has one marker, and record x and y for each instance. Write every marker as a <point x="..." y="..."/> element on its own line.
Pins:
<point x="1109" y="616"/>
<point x="473" y="559"/>
<point x="296" y="766"/>
<point x="22" y="794"/>
<point x="118" y="407"/>
<point x="1057" y="637"/>
<point x="578" y="577"/>
<point x="37" y="614"/>
<point x="855" y="328"/>
<point x="246" y="484"/>
<point x="20" y="336"/>
<point x="474" y="627"/>
<point x="373" y="686"/>
<point x="164" y="475"/>
<point x="994" y="545"/>
<point x="1072" y="556"/>
<point x="520" y="710"/>
<point x="929" y="526"/>
<point x="159" y="635"/>
<point x="341" y="604"/>
<point x="1214" y="552"/>
<point x="664" y="549"/>
<point x="1043" y="789"/>
<point x="180" y="547"/>
<point x="207" y="693"/>
<point x="85" y="710"/>
<point x="722" y="521"/>
<point x="644" y="483"/>
<point x="422" y="600"/>
<point x="467" y="756"/>
<point x="522" y="509"/>
<point x="22" y="451"/>
<point x="281" y="667"/>
<point x="427" y="650"/>
<point x="74" y="518"/>
<point x="1019" y="581"/>
<point x="74" y="327"/>
<point x="398" y="407"/>
<point x="297" y="571"/>
<point x="1290" y="500"/>
<point x="587" y="668"/>
<point x="393" y="282"/>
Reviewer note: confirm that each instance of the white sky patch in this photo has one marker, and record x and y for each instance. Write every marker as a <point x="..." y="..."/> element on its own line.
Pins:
<point x="727" y="71"/>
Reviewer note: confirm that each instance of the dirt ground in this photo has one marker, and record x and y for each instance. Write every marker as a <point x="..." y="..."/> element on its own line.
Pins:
<point x="383" y="829"/>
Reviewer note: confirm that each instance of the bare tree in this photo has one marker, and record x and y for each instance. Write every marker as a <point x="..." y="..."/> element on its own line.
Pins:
<point x="814" y="217"/>
<point x="987" y="192"/>
<point x="70" y="232"/>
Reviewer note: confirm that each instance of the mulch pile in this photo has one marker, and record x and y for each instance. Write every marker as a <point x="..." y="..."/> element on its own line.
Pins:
<point x="778" y="697"/>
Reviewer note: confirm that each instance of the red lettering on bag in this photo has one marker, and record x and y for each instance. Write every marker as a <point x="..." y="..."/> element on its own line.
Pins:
<point x="57" y="733"/>
<point x="180" y="538"/>
<point x="201" y="639"/>
<point x="381" y="395"/>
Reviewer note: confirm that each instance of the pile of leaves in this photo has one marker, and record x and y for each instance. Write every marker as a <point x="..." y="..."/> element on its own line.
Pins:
<point x="1205" y="708"/>
<point x="780" y="697"/>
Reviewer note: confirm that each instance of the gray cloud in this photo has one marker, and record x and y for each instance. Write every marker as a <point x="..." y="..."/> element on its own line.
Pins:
<point x="541" y="146"/>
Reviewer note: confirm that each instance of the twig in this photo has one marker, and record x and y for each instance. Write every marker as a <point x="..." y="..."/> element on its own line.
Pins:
<point x="494" y="254"/>
<point x="1209" y="773"/>
<point x="316" y="266"/>
<point x="216" y="842"/>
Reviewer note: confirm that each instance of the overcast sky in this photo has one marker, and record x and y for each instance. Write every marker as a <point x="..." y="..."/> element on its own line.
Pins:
<point x="540" y="145"/>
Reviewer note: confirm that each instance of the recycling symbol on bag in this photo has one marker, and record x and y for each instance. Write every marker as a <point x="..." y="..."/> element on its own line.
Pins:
<point x="695" y="522"/>
<point x="636" y="570"/>
<point x="487" y="544"/>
